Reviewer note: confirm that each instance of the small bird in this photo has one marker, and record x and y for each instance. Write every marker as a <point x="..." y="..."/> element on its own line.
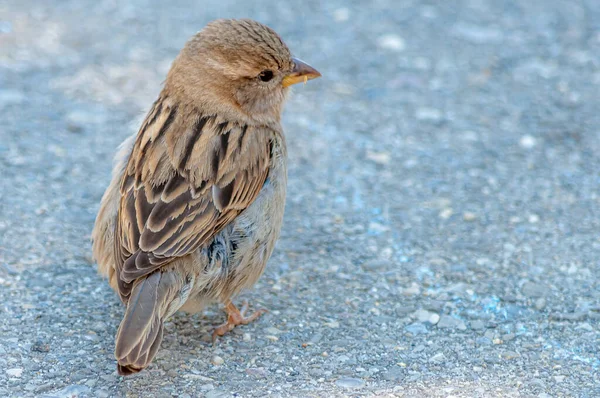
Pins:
<point x="196" y="200"/>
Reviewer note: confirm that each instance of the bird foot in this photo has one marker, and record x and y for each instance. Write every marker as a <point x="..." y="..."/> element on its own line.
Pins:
<point x="236" y="317"/>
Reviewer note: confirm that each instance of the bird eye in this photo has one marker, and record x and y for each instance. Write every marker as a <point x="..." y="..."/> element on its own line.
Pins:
<point x="265" y="75"/>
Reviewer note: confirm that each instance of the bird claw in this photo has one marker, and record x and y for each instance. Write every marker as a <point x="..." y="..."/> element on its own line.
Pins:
<point x="235" y="318"/>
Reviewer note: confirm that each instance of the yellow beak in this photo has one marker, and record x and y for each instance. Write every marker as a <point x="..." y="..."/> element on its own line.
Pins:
<point x="302" y="72"/>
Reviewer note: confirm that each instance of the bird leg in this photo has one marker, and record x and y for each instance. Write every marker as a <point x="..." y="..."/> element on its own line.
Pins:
<point x="236" y="317"/>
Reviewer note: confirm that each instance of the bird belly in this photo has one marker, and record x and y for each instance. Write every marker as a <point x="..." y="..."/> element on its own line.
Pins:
<point x="236" y="257"/>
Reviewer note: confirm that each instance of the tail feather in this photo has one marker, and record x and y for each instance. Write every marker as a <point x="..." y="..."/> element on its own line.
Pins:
<point x="153" y="299"/>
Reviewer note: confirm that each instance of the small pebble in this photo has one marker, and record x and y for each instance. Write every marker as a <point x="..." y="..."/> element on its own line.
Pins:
<point x="468" y="216"/>
<point x="217" y="360"/>
<point x="247" y="337"/>
<point x="40" y="346"/>
<point x="483" y="341"/>
<point x="377" y="228"/>
<point x="478" y="34"/>
<point x="391" y="42"/>
<point x="570" y="316"/>
<point x="527" y="141"/>
<point x="341" y="14"/>
<point x="427" y="317"/>
<point x="508" y="337"/>
<point x="448" y="322"/>
<point x="414" y="289"/>
<point x="73" y="390"/>
<point x="428" y="114"/>
<point x="540" y="304"/>
<point x="349" y="382"/>
<point x="509" y="355"/>
<point x="379" y="157"/>
<point x="434" y="318"/>
<point x="394" y="374"/>
<point x="585" y="326"/>
<point x="535" y="290"/>
<point x="416" y="328"/>
<point x="197" y="377"/>
<point x="332" y="324"/>
<point x="9" y="269"/>
<point x="11" y="97"/>
<point x="469" y="136"/>
<point x="218" y="393"/>
<point x="207" y="387"/>
<point x="259" y="373"/>
<point x="446" y="213"/>
<point x="439" y="357"/>
<point x="15" y="372"/>
<point x="83" y="118"/>
<point x="477" y="325"/>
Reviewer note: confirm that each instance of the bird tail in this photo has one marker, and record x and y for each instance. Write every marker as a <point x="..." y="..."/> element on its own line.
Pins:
<point x="153" y="299"/>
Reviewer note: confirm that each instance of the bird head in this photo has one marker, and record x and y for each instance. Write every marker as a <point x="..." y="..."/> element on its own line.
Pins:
<point x="237" y="67"/>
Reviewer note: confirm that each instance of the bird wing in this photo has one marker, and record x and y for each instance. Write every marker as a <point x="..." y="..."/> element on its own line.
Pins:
<point x="188" y="176"/>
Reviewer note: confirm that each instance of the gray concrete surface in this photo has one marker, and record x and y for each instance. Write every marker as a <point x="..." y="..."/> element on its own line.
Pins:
<point x="441" y="233"/>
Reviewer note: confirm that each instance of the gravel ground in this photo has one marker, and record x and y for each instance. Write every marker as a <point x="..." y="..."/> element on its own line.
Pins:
<point x="441" y="231"/>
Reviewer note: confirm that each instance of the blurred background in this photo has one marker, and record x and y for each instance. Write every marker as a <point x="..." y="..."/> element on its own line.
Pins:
<point x="441" y="229"/>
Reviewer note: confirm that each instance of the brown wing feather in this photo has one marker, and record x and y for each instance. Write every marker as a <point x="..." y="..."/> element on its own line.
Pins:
<point x="183" y="185"/>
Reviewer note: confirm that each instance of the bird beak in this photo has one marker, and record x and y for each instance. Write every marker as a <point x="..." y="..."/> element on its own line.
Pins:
<point x="302" y="72"/>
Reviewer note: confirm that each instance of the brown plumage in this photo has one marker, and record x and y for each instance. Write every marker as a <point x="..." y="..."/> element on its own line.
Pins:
<point x="196" y="202"/>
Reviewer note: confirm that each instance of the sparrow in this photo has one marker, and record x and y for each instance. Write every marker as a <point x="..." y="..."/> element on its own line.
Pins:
<point x="197" y="196"/>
